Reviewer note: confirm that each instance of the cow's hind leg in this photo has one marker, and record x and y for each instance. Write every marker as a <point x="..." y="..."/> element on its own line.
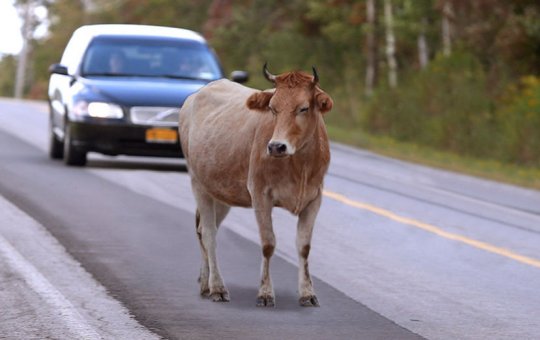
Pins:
<point x="221" y="212"/>
<point x="306" y="221"/>
<point x="211" y="282"/>
<point x="203" y="276"/>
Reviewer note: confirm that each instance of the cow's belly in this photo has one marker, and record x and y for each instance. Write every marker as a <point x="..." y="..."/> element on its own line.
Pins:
<point x="226" y="182"/>
<point x="232" y="196"/>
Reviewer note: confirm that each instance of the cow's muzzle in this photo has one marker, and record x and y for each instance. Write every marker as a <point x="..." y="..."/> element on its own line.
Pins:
<point x="278" y="149"/>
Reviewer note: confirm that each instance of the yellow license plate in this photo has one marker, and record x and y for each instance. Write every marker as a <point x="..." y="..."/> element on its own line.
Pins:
<point x="158" y="135"/>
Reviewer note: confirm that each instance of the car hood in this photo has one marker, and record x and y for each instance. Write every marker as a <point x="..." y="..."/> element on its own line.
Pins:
<point x="140" y="91"/>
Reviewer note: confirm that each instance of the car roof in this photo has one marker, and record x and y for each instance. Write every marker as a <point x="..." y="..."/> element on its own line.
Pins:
<point x="140" y="31"/>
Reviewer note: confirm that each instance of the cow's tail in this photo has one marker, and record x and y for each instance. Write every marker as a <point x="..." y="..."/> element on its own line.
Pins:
<point x="197" y="222"/>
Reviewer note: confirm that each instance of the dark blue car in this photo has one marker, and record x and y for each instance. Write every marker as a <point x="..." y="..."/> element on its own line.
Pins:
<point x="118" y="90"/>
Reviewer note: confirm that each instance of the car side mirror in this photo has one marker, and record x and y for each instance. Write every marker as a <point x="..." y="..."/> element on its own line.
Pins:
<point x="239" y="76"/>
<point x="58" y="69"/>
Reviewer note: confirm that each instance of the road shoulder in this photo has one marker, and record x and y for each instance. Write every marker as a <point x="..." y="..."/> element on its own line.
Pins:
<point x="44" y="292"/>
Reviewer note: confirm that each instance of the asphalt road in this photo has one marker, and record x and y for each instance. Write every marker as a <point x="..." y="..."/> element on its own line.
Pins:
<point x="400" y="251"/>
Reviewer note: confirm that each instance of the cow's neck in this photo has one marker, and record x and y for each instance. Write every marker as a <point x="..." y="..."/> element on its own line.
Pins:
<point x="310" y="163"/>
<point x="313" y="150"/>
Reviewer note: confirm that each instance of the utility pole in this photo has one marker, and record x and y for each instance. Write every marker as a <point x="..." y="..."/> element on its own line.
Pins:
<point x="27" y="28"/>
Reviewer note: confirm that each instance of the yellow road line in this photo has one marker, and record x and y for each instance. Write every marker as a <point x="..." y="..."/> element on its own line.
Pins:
<point x="433" y="229"/>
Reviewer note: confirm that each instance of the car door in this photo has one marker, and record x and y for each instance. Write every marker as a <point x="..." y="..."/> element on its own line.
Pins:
<point x="60" y="84"/>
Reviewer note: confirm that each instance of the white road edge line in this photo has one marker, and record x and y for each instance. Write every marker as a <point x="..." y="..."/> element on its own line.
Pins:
<point x="69" y="314"/>
<point x="78" y="304"/>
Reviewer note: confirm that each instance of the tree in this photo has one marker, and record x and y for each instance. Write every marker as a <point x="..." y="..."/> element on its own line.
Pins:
<point x="423" y="49"/>
<point x="390" y="44"/>
<point x="372" y="69"/>
<point x="447" y="17"/>
<point x="190" y="14"/>
<point x="8" y="64"/>
<point x="26" y="9"/>
<point x="64" y="16"/>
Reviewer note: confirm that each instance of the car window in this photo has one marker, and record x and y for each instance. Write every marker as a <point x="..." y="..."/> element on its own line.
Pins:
<point x="149" y="58"/>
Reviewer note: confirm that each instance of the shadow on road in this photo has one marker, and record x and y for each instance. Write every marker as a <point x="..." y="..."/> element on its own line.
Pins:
<point x="243" y="298"/>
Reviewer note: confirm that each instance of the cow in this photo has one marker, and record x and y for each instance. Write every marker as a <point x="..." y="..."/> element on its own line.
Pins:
<point x="259" y="149"/>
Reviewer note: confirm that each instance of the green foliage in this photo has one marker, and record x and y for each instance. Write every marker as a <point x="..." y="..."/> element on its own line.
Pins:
<point x="339" y="21"/>
<point x="8" y="65"/>
<point x="444" y="106"/>
<point x="65" y="16"/>
<point x="261" y="31"/>
<point x="519" y="122"/>
<point x="447" y="107"/>
<point x="174" y="13"/>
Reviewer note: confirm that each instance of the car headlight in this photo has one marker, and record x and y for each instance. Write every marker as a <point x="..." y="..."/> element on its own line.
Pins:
<point x="105" y="110"/>
<point x="98" y="110"/>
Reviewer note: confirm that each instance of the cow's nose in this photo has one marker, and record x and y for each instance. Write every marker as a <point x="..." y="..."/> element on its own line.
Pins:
<point x="277" y="149"/>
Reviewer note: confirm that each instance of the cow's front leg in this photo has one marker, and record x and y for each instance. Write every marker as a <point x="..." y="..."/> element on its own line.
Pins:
<point x="306" y="221"/>
<point x="263" y="212"/>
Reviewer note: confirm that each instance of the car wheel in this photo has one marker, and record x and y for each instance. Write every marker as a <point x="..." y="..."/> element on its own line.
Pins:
<point x="56" y="147"/>
<point x="72" y="156"/>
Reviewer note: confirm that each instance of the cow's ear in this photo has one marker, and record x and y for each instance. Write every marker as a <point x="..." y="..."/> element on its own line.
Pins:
<point x="323" y="101"/>
<point x="259" y="100"/>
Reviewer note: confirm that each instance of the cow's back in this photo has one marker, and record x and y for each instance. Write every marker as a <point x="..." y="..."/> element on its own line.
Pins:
<point x="217" y="131"/>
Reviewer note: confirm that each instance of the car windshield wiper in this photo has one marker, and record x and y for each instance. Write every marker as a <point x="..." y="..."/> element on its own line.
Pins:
<point x="106" y="74"/>
<point x="172" y="76"/>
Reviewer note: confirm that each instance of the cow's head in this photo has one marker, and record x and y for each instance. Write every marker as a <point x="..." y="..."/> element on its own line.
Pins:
<point x="297" y="104"/>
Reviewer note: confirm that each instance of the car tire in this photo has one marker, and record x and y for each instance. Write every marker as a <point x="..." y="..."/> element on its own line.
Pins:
<point x="72" y="156"/>
<point x="56" y="147"/>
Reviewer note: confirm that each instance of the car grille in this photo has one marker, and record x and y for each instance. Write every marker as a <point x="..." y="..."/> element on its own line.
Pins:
<point x="147" y="115"/>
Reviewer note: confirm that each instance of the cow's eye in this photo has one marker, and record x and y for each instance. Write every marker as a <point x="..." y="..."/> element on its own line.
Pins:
<point x="304" y="109"/>
<point x="272" y="110"/>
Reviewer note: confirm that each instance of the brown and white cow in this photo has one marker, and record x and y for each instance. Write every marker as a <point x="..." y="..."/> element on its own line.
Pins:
<point x="259" y="149"/>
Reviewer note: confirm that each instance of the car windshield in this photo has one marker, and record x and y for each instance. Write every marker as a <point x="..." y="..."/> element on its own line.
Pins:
<point x="146" y="57"/>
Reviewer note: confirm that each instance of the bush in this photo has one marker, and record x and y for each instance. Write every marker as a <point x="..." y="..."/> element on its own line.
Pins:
<point x="445" y="106"/>
<point x="518" y="119"/>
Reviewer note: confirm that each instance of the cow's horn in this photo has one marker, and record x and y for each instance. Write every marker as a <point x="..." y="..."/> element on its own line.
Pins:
<point x="315" y="75"/>
<point x="269" y="76"/>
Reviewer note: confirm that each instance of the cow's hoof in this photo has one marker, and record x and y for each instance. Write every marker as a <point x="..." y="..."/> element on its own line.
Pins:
<point x="309" y="301"/>
<point x="265" y="301"/>
<point x="205" y="292"/>
<point x="220" y="297"/>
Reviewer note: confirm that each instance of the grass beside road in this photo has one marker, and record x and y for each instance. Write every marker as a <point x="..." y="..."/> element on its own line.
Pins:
<point x="490" y="169"/>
